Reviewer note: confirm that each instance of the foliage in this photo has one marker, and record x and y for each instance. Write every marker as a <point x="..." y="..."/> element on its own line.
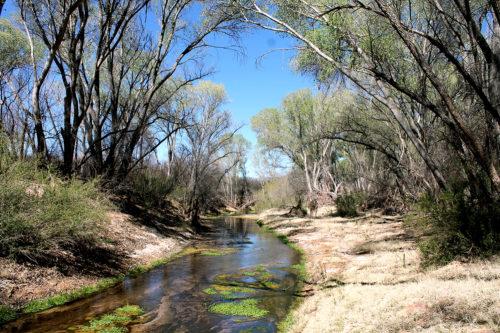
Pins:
<point x="245" y="308"/>
<point x="298" y="132"/>
<point x="150" y="186"/>
<point x="43" y="214"/>
<point x="274" y="193"/>
<point x="458" y="226"/>
<point x="14" y="47"/>
<point x="209" y="141"/>
<point x="348" y="204"/>
<point x="428" y="118"/>
<point x="7" y="314"/>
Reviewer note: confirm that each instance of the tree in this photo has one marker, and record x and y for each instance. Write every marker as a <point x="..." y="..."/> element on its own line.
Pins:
<point x="235" y="185"/>
<point x="429" y="56"/>
<point x="14" y="87"/>
<point x="298" y="131"/>
<point x="119" y="78"/>
<point x="209" y="135"/>
<point x="2" y="2"/>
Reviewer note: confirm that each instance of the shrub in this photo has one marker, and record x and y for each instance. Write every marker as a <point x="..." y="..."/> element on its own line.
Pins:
<point x="42" y="214"/>
<point x="458" y="226"/>
<point x="151" y="186"/>
<point x="347" y="204"/>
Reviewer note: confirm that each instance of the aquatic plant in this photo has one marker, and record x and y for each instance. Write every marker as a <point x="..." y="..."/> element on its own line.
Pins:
<point x="115" y="322"/>
<point x="228" y="292"/>
<point x="217" y="252"/>
<point x="245" y="308"/>
<point x="63" y="298"/>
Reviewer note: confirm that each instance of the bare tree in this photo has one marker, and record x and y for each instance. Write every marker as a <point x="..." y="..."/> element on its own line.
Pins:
<point x="209" y="133"/>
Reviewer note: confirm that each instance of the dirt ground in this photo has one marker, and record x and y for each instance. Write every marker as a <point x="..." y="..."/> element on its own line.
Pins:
<point x="364" y="276"/>
<point x="134" y="244"/>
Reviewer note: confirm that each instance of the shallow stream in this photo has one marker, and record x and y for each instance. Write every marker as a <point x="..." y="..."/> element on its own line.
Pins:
<point x="185" y="294"/>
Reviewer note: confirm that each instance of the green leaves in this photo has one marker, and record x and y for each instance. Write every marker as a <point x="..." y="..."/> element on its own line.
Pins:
<point x="14" y="47"/>
<point x="300" y="126"/>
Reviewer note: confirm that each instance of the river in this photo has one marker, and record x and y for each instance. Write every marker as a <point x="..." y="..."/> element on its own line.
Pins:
<point x="179" y="296"/>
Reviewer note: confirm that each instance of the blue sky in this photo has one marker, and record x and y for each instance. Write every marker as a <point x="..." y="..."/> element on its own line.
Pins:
<point x="250" y="86"/>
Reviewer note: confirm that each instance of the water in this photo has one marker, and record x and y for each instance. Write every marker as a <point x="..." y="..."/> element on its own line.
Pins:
<point x="172" y="295"/>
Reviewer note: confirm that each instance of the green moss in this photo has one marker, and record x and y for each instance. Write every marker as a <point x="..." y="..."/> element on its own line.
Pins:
<point x="245" y="308"/>
<point x="250" y="273"/>
<point x="286" y="324"/>
<point x="300" y="270"/>
<point x="129" y="311"/>
<point x="138" y="270"/>
<point x="261" y="278"/>
<point x="7" y="314"/>
<point x="86" y="291"/>
<point x="60" y="299"/>
<point x="210" y="291"/>
<point x="228" y="292"/>
<point x="114" y="322"/>
<point x="260" y="272"/>
<point x="211" y="252"/>
<point x="284" y="239"/>
<point x="271" y="285"/>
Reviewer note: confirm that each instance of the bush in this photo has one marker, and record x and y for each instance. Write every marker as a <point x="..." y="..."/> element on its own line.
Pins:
<point x="42" y="214"/>
<point x="347" y="204"/>
<point x="150" y="187"/>
<point x="458" y="226"/>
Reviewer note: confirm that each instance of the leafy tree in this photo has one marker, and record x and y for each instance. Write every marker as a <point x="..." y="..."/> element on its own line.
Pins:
<point x="297" y="130"/>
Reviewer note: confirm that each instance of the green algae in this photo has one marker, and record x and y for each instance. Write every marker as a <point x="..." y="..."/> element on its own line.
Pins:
<point x="115" y="322"/>
<point x="244" y="308"/>
<point x="261" y="278"/>
<point x="228" y="292"/>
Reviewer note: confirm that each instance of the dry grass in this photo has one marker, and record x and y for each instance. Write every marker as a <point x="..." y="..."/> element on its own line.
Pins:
<point x="384" y="289"/>
<point x="429" y="305"/>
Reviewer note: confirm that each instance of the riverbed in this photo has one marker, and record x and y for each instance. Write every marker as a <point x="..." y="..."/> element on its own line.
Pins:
<point x="244" y="263"/>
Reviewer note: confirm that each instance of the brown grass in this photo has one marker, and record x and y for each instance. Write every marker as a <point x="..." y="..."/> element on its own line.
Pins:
<point x="366" y="277"/>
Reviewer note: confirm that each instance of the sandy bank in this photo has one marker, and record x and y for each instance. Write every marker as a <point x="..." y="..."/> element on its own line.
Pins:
<point x="365" y="277"/>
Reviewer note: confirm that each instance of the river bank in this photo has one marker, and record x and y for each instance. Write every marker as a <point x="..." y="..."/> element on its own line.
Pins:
<point x="129" y="247"/>
<point x="364" y="275"/>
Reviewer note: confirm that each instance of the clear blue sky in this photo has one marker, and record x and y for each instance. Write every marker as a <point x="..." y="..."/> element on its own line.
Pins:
<point x="250" y="86"/>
